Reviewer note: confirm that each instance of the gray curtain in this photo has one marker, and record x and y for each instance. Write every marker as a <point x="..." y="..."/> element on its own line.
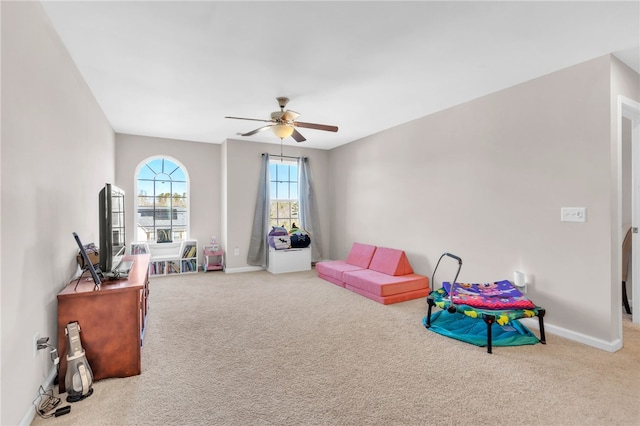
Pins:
<point x="257" y="255"/>
<point x="309" y="209"/>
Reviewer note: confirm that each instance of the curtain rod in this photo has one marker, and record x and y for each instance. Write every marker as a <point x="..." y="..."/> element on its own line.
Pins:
<point x="283" y="156"/>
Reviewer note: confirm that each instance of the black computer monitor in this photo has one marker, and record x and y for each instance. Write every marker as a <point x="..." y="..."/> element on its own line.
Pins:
<point x="87" y="261"/>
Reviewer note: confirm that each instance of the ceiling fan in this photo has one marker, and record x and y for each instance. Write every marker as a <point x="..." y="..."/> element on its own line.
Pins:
<point x="283" y="123"/>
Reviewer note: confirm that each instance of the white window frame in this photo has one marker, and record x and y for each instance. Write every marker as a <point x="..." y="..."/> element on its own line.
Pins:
<point x="277" y="182"/>
<point x="144" y="234"/>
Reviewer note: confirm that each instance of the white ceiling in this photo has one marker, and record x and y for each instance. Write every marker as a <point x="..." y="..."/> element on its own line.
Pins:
<point x="175" y="69"/>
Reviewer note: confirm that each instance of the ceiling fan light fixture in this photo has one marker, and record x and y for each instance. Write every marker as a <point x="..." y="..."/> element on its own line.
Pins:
<point x="283" y="123"/>
<point x="282" y="130"/>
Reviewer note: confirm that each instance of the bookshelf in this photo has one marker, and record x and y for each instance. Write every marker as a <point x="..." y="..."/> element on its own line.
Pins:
<point x="189" y="257"/>
<point x="178" y="257"/>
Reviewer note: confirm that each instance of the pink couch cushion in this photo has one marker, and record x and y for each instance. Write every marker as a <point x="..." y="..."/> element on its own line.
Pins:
<point x="335" y="268"/>
<point x="390" y="261"/>
<point x="331" y="279"/>
<point x="394" y="298"/>
<point x="360" y="255"/>
<point x="382" y="284"/>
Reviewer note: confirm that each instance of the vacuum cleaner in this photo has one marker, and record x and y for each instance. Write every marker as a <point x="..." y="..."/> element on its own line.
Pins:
<point x="79" y="377"/>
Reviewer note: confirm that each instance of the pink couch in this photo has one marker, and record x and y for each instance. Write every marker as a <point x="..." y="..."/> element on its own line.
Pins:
<point x="387" y="277"/>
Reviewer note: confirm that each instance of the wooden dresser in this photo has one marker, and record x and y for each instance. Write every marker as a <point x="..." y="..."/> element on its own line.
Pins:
<point x="111" y="318"/>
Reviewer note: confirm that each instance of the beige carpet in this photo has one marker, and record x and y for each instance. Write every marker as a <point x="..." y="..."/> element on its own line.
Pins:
<point x="291" y="349"/>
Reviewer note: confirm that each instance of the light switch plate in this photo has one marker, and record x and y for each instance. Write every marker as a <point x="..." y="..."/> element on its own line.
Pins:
<point x="573" y="214"/>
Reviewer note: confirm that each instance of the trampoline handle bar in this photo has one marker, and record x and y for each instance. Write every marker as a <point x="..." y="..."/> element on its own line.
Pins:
<point x="455" y="257"/>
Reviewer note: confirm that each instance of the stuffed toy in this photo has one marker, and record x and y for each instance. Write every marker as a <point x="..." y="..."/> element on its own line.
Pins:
<point x="279" y="238"/>
<point x="299" y="237"/>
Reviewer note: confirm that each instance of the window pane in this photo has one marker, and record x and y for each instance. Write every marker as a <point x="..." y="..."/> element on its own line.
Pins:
<point x="161" y="202"/>
<point x="284" y="209"/>
<point x="177" y="174"/>
<point x="283" y="190"/>
<point x="155" y="165"/>
<point x="180" y="188"/>
<point x="167" y="166"/>
<point x="286" y="223"/>
<point x="272" y="190"/>
<point x="145" y="201"/>
<point x="163" y="177"/>
<point x="293" y="194"/>
<point x="293" y="173"/>
<point x="283" y="171"/>
<point x="273" y="209"/>
<point x="179" y="202"/>
<point x="162" y="187"/>
<point x="146" y="173"/>
<point x="179" y="234"/>
<point x="180" y="217"/>
<point x="145" y="187"/>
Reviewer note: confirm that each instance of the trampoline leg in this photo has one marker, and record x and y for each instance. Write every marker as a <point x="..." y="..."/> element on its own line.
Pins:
<point x="489" y="319"/>
<point x="541" y="313"/>
<point x="430" y="302"/>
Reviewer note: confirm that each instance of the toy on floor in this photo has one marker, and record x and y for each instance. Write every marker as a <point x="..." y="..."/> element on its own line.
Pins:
<point x="379" y="273"/>
<point x="499" y="304"/>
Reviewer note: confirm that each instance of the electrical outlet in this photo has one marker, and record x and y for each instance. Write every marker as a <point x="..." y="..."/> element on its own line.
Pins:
<point x="236" y="251"/>
<point x="34" y="344"/>
<point x="573" y="214"/>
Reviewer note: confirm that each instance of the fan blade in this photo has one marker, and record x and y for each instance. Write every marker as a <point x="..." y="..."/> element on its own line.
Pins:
<point x="251" y="119"/>
<point x="289" y="115"/>
<point x="297" y="136"/>
<point x="316" y="126"/>
<point x="258" y="130"/>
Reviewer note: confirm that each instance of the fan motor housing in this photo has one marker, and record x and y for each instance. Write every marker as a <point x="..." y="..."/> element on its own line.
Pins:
<point x="282" y="101"/>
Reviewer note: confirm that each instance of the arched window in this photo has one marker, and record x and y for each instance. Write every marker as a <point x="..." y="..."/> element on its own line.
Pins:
<point x="162" y="202"/>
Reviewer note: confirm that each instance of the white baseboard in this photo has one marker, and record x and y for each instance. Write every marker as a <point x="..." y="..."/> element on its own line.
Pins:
<point x="243" y="269"/>
<point x="612" y="346"/>
<point x="46" y="385"/>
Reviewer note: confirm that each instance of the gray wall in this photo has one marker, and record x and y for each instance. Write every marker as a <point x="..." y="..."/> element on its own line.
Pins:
<point x="486" y="180"/>
<point x="57" y="152"/>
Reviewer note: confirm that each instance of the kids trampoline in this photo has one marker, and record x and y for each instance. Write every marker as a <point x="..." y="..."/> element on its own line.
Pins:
<point x="483" y="314"/>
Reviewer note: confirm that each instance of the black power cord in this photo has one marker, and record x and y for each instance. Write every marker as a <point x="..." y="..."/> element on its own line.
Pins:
<point x="46" y="404"/>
